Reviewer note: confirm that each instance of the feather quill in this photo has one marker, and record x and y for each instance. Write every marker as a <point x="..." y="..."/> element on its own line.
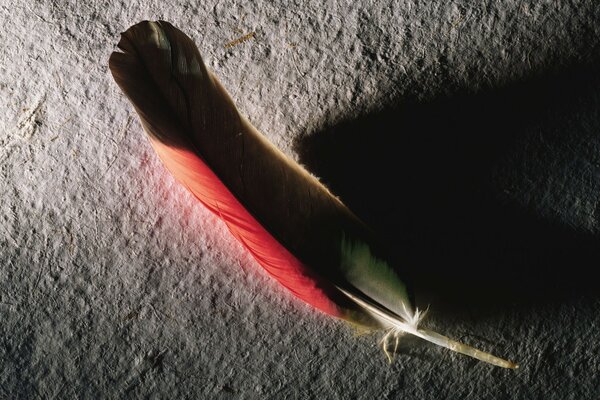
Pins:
<point x="298" y="231"/>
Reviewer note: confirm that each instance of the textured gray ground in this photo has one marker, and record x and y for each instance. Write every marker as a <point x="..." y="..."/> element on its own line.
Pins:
<point x="115" y="283"/>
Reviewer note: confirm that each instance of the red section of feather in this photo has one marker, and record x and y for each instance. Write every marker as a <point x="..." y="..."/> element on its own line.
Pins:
<point x="194" y="174"/>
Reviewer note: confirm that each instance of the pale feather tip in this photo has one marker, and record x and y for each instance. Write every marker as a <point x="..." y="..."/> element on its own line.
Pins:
<point x="397" y="326"/>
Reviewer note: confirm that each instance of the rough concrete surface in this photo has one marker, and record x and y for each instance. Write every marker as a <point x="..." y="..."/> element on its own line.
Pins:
<point x="465" y="132"/>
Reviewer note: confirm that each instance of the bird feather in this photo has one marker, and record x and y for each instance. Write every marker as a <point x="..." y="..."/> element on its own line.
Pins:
<point x="295" y="228"/>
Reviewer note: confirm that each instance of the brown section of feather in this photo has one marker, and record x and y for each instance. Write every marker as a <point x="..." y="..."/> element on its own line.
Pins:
<point x="293" y="205"/>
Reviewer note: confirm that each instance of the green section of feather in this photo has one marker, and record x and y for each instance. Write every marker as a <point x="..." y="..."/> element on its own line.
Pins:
<point x="374" y="277"/>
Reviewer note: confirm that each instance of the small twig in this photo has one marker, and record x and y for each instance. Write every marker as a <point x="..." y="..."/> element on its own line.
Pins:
<point x="240" y="40"/>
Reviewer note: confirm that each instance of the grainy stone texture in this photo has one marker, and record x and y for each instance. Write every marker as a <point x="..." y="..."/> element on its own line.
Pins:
<point x="482" y="115"/>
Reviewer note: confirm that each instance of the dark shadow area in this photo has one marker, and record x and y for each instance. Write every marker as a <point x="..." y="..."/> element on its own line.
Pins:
<point x="422" y="175"/>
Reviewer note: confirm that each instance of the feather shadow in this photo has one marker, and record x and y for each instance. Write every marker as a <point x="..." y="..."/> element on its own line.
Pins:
<point x="444" y="183"/>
